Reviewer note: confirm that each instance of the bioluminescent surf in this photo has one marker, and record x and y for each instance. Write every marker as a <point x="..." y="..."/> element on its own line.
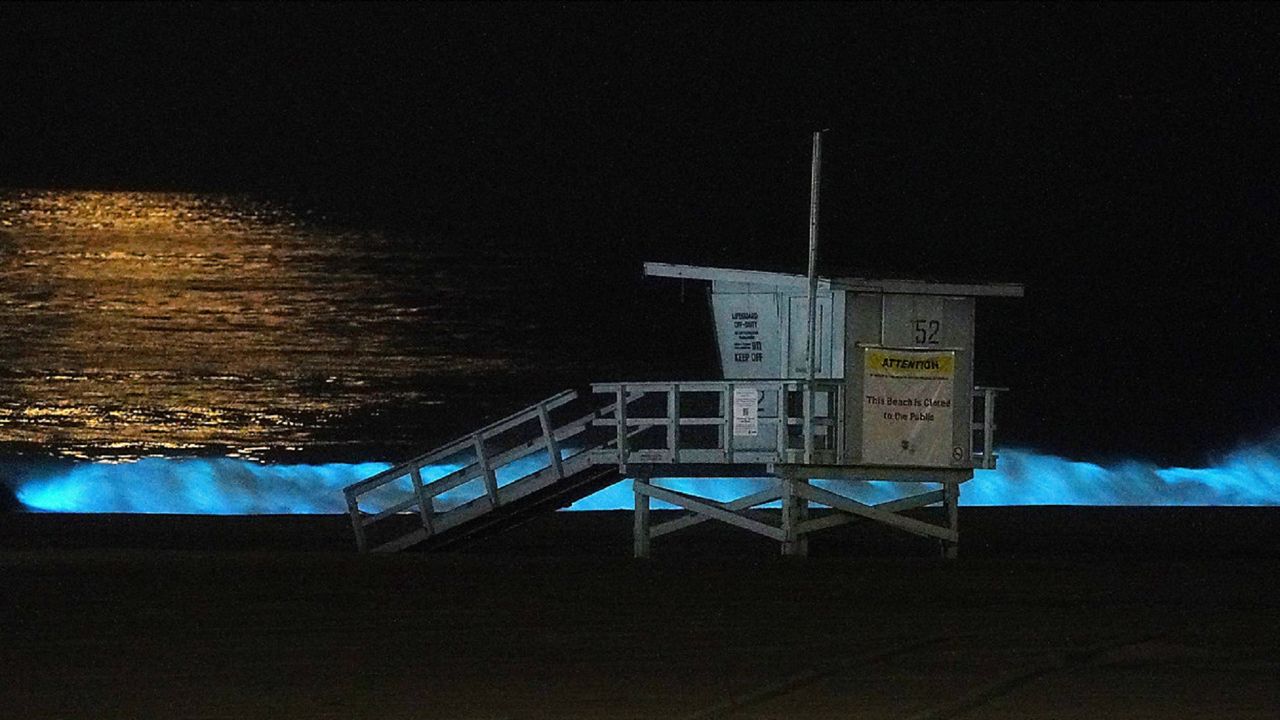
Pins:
<point x="229" y="486"/>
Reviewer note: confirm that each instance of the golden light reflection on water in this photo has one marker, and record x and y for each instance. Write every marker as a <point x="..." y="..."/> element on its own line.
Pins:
<point x="150" y="322"/>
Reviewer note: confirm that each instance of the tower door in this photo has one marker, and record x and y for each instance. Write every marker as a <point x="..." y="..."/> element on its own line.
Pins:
<point x="798" y="336"/>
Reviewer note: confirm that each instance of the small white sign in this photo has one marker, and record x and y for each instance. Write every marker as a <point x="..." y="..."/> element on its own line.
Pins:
<point x="746" y="412"/>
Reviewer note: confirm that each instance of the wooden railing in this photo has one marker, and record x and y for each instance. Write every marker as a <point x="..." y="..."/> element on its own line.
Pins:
<point x="984" y="429"/>
<point x="669" y="433"/>
<point x="480" y="459"/>
<point x="694" y="422"/>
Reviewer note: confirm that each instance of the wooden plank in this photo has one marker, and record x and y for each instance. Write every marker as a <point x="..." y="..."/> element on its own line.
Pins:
<point x="743" y="503"/>
<point x="758" y="277"/>
<point x="483" y="505"/>
<point x="706" y="507"/>
<point x="686" y="386"/>
<point x="877" y="472"/>
<point x="684" y="422"/>
<point x="910" y="525"/>
<point x="403" y="541"/>
<point x="825" y="522"/>
<point x="527" y="485"/>
<point x="392" y="510"/>
<point x="464" y="513"/>
<point x="575" y="464"/>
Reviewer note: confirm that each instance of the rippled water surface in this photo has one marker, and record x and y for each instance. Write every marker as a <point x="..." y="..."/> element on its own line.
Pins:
<point x="155" y="323"/>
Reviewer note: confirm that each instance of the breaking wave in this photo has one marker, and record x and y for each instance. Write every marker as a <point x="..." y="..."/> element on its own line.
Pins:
<point x="228" y="486"/>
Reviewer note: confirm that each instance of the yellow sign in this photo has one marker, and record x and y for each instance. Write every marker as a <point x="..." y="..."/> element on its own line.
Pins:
<point x="898" y="364"/>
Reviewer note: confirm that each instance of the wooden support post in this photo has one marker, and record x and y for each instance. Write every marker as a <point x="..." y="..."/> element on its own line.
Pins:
<point x="951" y="498"/>
<point x="357" y="525"/>
<point x="793" y="508"/>
<point x="549" y="436"/>
<point x="641" y="529"/>
<point x="802" y="516"/>
<point x="490" y="479"/>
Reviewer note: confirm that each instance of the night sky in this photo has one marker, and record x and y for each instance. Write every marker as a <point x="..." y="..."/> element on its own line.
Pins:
<point x="1119" y="160"/>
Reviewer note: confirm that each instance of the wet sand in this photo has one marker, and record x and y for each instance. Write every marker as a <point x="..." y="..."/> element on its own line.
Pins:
<point x="1049" y="613"/>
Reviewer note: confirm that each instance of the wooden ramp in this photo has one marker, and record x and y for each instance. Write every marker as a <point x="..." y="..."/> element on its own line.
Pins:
<point x="539" y="459"/>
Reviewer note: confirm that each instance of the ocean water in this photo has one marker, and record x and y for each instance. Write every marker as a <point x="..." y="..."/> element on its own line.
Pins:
<point x="162" y="324"/>
<point x="168" y="352"/>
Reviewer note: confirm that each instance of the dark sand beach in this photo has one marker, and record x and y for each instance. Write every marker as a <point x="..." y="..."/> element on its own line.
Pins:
<point x="1049" y="613"/>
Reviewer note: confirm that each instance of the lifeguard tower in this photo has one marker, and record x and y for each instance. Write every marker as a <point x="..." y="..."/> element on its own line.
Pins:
<point x="892" y="399"/>
<point x="825" y="381"/>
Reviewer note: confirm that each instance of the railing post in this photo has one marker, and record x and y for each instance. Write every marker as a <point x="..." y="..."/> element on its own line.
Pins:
<point x="836" y="409"/>
<point x="988" y="428"/>
<point x="782" y="422"/>
<point x="426" y="505"/>
<point x="808" y="422"/>
<point x="673" y="422"/>
<point x="621" y="415"/>
<point x="726" y="415"/>
<point x="553" y="447"/>
<point x="490" y="479"/>
<point x="353" y="507"/>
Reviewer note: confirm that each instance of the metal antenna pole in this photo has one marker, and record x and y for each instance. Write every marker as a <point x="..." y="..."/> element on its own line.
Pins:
<point x="815" y="179"/>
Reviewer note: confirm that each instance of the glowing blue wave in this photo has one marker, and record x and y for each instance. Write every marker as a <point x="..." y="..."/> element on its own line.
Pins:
<point x="215" y="486"/>
<point x="229" y="486"/>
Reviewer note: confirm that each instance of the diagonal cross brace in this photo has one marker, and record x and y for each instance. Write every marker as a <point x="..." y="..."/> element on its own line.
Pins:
<point x="711" y="509"/>
<point x="839" y="502"/>
<point x="742" y="503"/>
<point x="894" y="506"/>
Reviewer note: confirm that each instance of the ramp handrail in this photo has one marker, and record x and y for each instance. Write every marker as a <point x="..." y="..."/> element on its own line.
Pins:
<point x="460" y="444"/>
<point x="487" y="461"/>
